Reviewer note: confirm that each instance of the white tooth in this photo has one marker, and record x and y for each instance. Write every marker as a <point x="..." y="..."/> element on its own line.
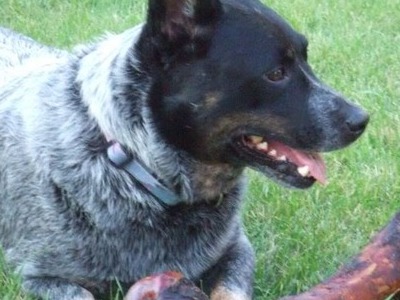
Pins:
<point x="304" y="171"/>
<point x="282" y="158"/>
<point x="273" y="153"/>
<point x="256" y="139"/>
<point x="262" y="146"/>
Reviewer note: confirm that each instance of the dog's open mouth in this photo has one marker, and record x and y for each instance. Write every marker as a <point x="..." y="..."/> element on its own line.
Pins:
<point x="295" y="167"/>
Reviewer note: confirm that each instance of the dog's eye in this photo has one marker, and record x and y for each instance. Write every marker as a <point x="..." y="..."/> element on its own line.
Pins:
<point x="275" y="75"/>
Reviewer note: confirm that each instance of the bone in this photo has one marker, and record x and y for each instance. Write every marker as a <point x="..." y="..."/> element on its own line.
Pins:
<point x="165" y="286"/>
<point x="373" y="275"/>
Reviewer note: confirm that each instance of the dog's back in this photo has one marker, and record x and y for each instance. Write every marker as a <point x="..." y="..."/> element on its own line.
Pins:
<point x="17" y="50"/>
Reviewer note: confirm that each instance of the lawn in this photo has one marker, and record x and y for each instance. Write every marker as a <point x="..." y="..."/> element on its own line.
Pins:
<point x="300" y="237"/>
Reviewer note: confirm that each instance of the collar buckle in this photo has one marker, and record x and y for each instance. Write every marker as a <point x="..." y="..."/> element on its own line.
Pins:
<point x="122" y="160"/>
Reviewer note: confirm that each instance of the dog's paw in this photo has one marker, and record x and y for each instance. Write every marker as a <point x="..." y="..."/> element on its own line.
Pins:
<point x="55" y="289"/>
<point x="223" y="293"/>
<point x="85" y="295"/>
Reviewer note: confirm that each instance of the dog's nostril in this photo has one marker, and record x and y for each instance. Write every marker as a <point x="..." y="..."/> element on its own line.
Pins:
<point x="357" y="122"/>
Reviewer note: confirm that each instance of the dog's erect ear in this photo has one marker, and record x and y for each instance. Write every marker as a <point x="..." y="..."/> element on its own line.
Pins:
<point x="178" y="19"/>
<point x="178" y="22"/>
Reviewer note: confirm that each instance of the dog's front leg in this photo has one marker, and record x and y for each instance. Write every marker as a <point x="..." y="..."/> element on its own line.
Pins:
<point x="232" y="277"/>
<point x="55" y="289"/>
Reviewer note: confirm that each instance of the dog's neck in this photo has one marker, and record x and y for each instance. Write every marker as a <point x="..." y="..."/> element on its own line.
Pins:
<point x="134" y="167"/>
<point x="191" y="180"/>
<point x="197" y="181"/>
<point x="211" y="182"/>
<point x="174" y="178"/>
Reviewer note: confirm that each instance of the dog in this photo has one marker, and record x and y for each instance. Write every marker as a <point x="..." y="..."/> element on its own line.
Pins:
<point x="125" y="157"/>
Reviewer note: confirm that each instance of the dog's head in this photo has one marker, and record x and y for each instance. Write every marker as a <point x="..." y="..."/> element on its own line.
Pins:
<point x="232" y="85"/>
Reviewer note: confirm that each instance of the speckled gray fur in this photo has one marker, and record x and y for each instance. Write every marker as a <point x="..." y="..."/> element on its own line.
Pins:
<point x="69" y="221"/>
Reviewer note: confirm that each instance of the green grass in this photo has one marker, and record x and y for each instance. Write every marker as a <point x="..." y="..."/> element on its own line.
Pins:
<point x="300" y="237"/>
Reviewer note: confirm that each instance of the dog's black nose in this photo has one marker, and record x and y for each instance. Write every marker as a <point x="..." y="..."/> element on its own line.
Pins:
<point x="357" y="120"/>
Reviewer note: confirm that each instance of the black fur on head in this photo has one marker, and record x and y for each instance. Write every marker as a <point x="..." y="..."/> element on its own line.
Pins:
<point x="231" y="85"/>
<point x="180" y="28"/>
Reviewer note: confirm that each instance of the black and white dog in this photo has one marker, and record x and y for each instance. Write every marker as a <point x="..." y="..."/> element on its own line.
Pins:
<point x="125" y="158"/>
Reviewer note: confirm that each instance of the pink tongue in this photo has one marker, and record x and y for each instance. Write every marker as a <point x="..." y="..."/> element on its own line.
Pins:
<point x="313" y="160"/>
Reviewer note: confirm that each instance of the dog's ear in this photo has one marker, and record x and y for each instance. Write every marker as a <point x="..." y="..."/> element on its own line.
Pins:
<point x="178" y="23"/>
<point x="180" y="19"/>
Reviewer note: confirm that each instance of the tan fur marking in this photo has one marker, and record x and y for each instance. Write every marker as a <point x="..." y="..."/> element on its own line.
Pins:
<point x="230" y="123"/>
<point x="222" y="293"/>
<point x="213" y="180"/>
<point x="212" y="99"/>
